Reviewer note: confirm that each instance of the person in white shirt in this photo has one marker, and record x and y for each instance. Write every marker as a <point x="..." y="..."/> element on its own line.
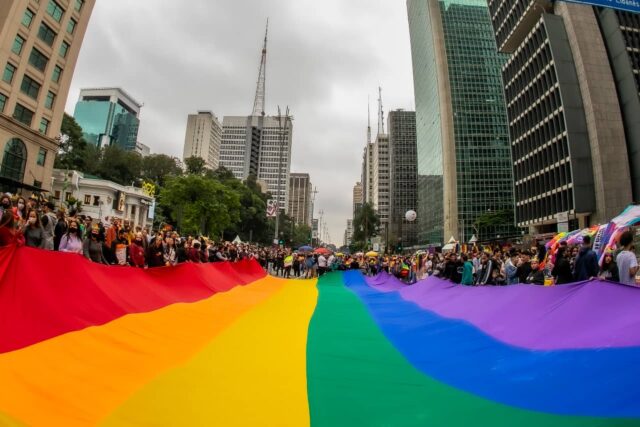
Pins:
<point x="322" y="265"/>
<point x="626" y="260"/>
<point x="330" y="262"/>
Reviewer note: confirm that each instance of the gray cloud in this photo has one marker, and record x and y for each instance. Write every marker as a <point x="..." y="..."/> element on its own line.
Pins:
<point x="324" y="59"/>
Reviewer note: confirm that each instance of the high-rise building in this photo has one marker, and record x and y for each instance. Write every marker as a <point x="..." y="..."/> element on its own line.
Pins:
<point x="358" y="198"/>
<point x="573" y="105"/>
<point x="381" y="179"/>
<point x="108" y="116"/>
<point x="142" y="149"/>
<point x="463" y="154"/>
<point x="348" y="233"/>
<point x="39" y="47"/>
<point x="203" y="138"/>
<point x="403" y="174"/>
<point x="259" y="146"/>
<point x="300" y="198"/>
<point x="367" y="173"/>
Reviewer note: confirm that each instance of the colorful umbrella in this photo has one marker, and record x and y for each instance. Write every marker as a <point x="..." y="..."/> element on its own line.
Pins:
<point x="322" y="251"/>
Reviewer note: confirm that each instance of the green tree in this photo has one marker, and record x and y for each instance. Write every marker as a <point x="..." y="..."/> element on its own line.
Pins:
<point x="301" y="235"/>
<point x="200" y="205"/>
<point x="72" y="154"/>
<point x="253" y="224"/>
<point x="157" y="168"/>
<point x="488" y="222"/>
<point x="195" y="165"/>
<point x="120" y="166"/>
<point x="365" y="226"/>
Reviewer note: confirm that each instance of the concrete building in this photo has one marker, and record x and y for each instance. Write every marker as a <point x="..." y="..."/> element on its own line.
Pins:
<point x="142" y="149"/>
<point x="300" y="198"/>
<point x="380" y="197"/>
<point x="348" y="233"/>
<point x="259" y="146"/>
<point x="108" y="116"/>
<point x="358" y="198"/>
<point x="39" y="47"/>
<point x="103" y="199"/>
<point x="463" y="154"/>
<point x="367" y="173"/>
<point x="203" y="138"/>
<point x="573" y="105"/>
<point x="403" y="175"/>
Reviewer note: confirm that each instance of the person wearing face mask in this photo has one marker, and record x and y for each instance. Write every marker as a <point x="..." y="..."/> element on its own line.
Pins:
<point x="120" y="249"/>
<point x="93" y="248"/>
<point x="72" y="241"/>
<point x="20" y="212"/>
<point x="33" y="232"/>
<point x="136" y="251"/>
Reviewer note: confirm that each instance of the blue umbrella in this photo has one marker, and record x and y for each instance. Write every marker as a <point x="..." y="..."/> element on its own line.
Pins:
<point x="305" y="249"/>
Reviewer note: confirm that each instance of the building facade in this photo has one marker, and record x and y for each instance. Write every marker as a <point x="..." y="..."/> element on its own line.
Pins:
<point x="102" y="199"/>
<point x="380" y="197"/>
<point x="259" y="146"/>
<point x="108" y="116"/>
<point x="348" y="233"/>
<point x="39" y="46"/>
<point x="463" y="154"/>
<point x="403" y="175"/>
<point x="572" y="100"/>
<point x="358" y="198"/>
<point x="300" y="198"/>
<point x="203" y="138"/>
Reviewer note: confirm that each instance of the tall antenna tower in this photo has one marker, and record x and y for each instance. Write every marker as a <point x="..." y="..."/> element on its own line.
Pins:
<point x="380" y="113"/>
<point x="258" y="103"/>
<point x="368" y="121"/>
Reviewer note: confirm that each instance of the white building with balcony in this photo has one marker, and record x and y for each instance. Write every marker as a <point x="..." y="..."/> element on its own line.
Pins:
<point x="103" y="199"/>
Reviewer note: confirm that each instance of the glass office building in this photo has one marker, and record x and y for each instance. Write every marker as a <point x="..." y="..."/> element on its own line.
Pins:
<point x="108" y="116"/>
<point x="463" y="154"/>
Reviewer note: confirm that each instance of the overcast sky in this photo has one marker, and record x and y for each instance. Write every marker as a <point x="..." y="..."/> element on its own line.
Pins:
<point x="324" y="59"/>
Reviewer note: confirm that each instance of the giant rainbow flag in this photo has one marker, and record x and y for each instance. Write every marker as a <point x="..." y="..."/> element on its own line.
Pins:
<point x="225" y="345"/>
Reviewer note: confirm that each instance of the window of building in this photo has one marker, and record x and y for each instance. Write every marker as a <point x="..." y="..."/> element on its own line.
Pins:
<point x="71" y="26"/>
<point x="9" y="71"/>
<point x="3" y="101"/>
<point x="38" y="60"/>
<point x="87" y="199"/>
<point x="37" y="184"/>
<point x="27" y="18"/>
<point x="64" y="48"/>
<point x="18" y="44"/>
<point x="14" y="160"/>
<point x="56" y="194"/>
<point x="46" y="34"/>
<point x="96" y="200"/>
<point x="44" y="126"/>
<point x="42" y="157"/>
<point x="30" y="87"/>
<point x="55" y="10"/>
<point x="51" y="98"/>
<point x="79" y="4"/>
<point x="67" y="196"/>
<point x="23" y="114"/>
<point x="57" y="72"/>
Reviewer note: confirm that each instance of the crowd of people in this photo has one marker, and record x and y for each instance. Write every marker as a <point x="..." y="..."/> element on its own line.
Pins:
<point x="115" y="242"/>
<point x="499" y="266"/>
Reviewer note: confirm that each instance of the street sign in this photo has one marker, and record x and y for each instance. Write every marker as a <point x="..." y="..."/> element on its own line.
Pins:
<point x="626" y="5"/>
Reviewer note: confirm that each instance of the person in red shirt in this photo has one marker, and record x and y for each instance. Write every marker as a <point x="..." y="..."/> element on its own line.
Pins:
<point x="137" y="252"/>
<point x="195" y="254"/>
